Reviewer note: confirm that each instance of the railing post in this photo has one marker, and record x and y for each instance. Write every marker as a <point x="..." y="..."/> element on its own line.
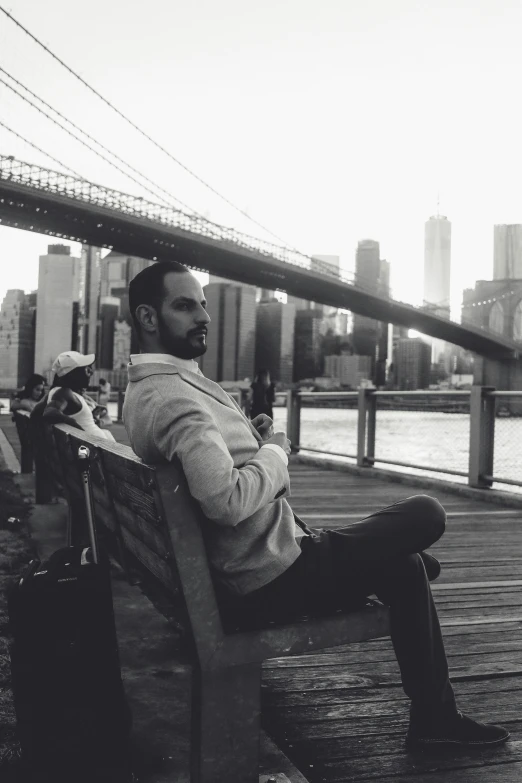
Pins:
<point x="371" y="401"/>
<point x="121" y="398"/>
<point x="481" y="436"/>
<point x="293" y="419"/>
<point x="361" y="427"/>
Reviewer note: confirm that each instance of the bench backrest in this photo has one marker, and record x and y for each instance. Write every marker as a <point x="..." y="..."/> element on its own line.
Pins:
<point x="22" y="420"/>
<point x="153" y="516"/>
<point x="134" y="503"/>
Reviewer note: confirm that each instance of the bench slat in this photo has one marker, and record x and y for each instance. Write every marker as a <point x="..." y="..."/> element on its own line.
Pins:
<point x="141" y="530"/>
<point x="156" y="565"/>
<point x="136" y="499"/>
<point x="127" y="467"/>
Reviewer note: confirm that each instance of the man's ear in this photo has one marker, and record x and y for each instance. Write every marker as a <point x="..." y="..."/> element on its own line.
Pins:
<point x="147" y="317"/>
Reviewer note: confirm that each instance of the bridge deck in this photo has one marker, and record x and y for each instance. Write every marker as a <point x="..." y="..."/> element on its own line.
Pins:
<point x="341" y="715"/>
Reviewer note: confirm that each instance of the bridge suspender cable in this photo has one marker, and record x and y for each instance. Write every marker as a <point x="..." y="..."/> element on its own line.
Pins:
<point x="95" y="141"/>
<point x="137" y="128"/>
<point x="47" y="155"/>
<point x="81" y="141"/>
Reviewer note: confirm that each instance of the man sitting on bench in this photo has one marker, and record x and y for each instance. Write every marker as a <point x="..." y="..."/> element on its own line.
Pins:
<point x="268" y="564"/>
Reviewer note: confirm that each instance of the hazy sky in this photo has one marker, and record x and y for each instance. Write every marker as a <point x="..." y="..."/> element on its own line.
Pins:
<point x="329" y="122"/>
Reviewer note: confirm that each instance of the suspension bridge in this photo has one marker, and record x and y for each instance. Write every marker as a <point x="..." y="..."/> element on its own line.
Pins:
<point x="37" y="199"/>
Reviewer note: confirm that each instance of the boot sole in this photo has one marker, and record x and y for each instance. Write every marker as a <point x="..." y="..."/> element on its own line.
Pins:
<point x="426" y="743"/>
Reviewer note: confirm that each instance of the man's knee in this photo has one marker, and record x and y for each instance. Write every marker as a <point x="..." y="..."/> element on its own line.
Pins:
<point x="431" y="513"/>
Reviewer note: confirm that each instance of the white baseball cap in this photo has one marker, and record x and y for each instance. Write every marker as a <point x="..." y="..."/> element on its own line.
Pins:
<point x="70" y="360"/>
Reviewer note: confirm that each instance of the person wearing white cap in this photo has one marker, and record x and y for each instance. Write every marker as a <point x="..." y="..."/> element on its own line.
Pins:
<point x="72" y="371"/>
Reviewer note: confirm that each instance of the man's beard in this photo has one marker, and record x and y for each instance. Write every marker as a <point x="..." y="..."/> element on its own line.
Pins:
<point x="181" y="347"/>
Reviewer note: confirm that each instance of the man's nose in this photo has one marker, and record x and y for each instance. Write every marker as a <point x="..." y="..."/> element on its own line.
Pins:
<point x="203" y="317"/>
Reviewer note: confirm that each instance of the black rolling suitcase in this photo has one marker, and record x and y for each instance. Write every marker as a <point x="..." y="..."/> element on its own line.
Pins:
<point x="73" y="720"/>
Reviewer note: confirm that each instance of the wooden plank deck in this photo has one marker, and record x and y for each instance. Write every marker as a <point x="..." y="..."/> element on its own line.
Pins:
<point x="341" y="715"/>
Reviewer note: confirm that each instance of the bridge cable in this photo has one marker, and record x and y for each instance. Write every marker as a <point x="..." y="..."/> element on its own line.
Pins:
<point x="84" y="143"/>
<point x="138" y="129"/>
<point x="36" y="147"/>
<point x="91" y="138"/>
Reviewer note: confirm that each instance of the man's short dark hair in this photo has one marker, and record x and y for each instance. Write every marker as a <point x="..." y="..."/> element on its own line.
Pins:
<point x="148" y="288"/>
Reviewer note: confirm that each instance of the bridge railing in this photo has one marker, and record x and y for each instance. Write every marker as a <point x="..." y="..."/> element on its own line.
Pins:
<point x="167" y="215"/>
<point x="470" y="435"/>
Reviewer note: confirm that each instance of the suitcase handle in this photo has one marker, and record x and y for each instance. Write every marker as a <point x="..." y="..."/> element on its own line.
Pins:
<point x="31" y="569"/>
<point x="84" y="456"/>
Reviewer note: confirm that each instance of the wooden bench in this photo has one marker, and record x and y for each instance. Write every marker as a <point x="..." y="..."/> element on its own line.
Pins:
<point x="153" y="526"/>
<point x="21" y="419"/>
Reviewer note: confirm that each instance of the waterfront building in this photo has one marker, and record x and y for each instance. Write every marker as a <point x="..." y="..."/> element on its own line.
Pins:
<point x="507" y="252"/>
<point x="109" y="314"/>
<point x="275" y="322"/>
<point x="16" y="338"/>
<point x="413" y="364"/>
<point x="118" y="269"/>
<point x="121" y="344"/>
<point x="231" y="338"/>
<point x="437" y="264"/>
<point x="56" y="330"/>
<point x="86" y="298"/>
<point x="350" y="371"/>
<point x="307" y="344"/>
<point x="370" y="337"/>
<point x="437" y="276"/>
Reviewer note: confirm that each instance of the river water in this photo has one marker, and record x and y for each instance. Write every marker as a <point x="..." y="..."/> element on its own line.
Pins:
<point x="433" y="440"/>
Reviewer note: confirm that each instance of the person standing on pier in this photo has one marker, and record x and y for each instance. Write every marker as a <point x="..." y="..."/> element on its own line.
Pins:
<point x="262" y="395"/>
<point x="267" y="564"/>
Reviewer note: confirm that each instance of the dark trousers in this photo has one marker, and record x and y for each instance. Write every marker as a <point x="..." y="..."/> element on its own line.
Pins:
<point x="382" y="555"/>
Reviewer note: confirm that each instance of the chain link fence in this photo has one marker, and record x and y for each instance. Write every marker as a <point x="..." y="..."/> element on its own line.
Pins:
<point x="424" y="432"/>
<point x="507" y="453"/>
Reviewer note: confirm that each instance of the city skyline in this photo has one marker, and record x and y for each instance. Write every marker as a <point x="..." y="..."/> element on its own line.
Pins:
<point x="332" y="171"/>
<point x="25" y="274"/>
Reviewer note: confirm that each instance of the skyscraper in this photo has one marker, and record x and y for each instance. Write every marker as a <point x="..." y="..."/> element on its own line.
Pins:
<point x="507" y="252"/>
<point x="109" y="312"/>
<point x="307" y="344"/>
<point x="370" y="337"/>
<point x="16" y="339"/>
<point x="348" y="370"/>
<point x="275" y="339"/>
<point x="118" y="269"/>
<point x="437" y="263"/>
<point x="121" y="344"/>
<point x="413" y="364"/>
<point x="87" y="295"/>
<point x="57" y="281"/>
<point x="231" y="336"/>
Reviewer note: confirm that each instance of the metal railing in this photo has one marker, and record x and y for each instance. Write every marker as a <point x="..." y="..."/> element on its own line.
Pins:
<point x="464" y="429"/>
<point x="477" y="433"/>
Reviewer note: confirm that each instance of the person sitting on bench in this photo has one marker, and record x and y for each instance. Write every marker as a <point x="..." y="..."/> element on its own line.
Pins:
<point x="67" y="397"/>
<point x="266" y="562"/>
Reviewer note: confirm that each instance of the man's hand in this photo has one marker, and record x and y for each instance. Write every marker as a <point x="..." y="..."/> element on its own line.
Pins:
<point x="264" y="425"/>
<point x="53" y="415"/>
<point x="279" y="439"/>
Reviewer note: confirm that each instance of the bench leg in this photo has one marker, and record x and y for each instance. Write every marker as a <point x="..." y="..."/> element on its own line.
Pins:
<point x="44" y="485"/>
<point x="225" y="725"/>
<point x="26" y="462"/>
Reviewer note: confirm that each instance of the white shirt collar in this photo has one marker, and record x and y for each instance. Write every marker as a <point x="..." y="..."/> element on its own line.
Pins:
<point x="165" y="358"/>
